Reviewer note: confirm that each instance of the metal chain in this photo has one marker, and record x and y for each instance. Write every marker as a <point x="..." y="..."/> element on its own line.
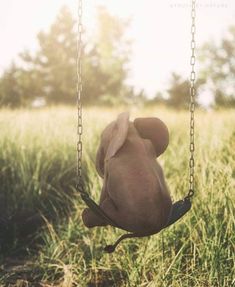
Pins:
<point x="192" y="101"/>
<point x="79" y="93"/>
<point x="80" y="187"/>
<point x="192" y="98"/>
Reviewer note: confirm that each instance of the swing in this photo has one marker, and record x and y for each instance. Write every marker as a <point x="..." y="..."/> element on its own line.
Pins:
<point x="179" y="208"/>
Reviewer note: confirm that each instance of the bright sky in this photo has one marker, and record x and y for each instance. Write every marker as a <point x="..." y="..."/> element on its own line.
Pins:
<point x="160" y="31"/>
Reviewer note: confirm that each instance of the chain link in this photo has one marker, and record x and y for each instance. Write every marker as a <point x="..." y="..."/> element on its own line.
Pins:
<point x="80" y="187"/>
<point x="192" y="101"/>
<point x="191" y="106"/>
<point x="79" y="93"/>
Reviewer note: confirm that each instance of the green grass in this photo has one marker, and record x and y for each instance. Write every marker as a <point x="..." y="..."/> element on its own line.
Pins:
<point x="38" y="176"/>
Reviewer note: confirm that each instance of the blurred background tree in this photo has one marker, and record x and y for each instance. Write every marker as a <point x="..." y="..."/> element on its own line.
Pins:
<point x="177" y="95"/>
<point x="51" y="72"/>
<point x="18" y="86"/>
<point x="178" y="92"/>
<point x="216" y="75"/>
<point x="55" y="61"/>
<point x="10" y="90"/>
<point x="109" y="58"/>
<point x="218" y="69"/>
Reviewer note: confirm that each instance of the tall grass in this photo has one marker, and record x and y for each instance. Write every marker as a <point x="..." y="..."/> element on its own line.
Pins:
<point x="38" y="175"/>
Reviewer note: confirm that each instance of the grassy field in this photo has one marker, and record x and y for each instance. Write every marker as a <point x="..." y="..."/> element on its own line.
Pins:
<point x="43" y="240"/>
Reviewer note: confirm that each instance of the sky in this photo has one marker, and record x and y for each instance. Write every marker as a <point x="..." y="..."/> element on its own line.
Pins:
<point x="160" y="31"/>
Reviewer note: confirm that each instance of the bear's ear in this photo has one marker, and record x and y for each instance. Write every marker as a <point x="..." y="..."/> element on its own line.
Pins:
<point x="155" y="130"/>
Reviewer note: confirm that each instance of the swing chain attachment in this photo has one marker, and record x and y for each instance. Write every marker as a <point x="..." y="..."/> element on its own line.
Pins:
<point x="79" y="93"/>
<point x="192" y="101"/>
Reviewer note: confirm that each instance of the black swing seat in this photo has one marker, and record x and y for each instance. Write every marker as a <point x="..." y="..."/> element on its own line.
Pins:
<point x="179" y="209"/>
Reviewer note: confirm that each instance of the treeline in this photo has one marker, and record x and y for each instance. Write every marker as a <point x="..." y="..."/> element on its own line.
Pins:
<point x="50" y="73"/>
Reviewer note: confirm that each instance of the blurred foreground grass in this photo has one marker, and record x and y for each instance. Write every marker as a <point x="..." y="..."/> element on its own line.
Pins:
<point x="38" y="174"/>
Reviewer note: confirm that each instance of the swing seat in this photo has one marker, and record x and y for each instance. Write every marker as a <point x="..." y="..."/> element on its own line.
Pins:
<point x="179" y="209"/>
